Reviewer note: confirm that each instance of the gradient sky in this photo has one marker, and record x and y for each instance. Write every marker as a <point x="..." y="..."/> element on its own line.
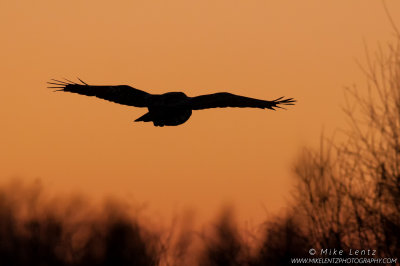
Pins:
<point x="264" y="49"/>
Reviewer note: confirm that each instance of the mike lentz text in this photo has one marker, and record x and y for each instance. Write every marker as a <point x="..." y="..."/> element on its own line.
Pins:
<point x="351" y="252"/>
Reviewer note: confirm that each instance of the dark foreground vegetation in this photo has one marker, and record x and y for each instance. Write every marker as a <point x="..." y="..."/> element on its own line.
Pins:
<point x="39" y="230"/>
<point x="347" y="196"/>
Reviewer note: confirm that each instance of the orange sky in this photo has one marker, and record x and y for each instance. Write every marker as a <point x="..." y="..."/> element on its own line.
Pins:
<point x="265" y="49"/>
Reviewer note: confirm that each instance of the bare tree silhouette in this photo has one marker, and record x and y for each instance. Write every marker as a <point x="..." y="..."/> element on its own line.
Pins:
<point x="373" y="151"/>
<point x="348" y="194"/>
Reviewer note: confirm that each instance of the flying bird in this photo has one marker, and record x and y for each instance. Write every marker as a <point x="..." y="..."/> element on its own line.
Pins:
<point x="168" y="109"/>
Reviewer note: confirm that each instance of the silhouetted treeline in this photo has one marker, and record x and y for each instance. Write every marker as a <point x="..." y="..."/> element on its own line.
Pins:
<point x="36" y="231"/>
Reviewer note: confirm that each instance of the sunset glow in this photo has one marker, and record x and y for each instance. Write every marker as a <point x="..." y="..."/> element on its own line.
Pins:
<point x="240" y="157"/>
